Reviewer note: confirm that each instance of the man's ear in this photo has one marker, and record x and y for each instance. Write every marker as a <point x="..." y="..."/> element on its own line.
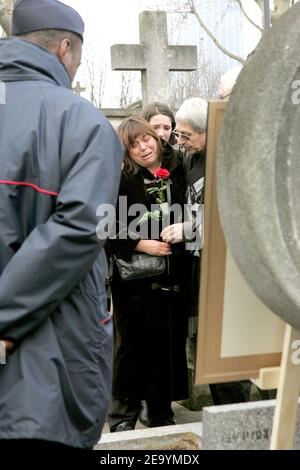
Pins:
<point x="63" y="49"/>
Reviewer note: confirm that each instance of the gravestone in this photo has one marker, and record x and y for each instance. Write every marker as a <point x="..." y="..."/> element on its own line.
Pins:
<point x="154" y="57"/>
<point x="259" y="170"/>
<point x="243" y="426"/>
<point x="78" y="89"/>
<point x="259" y="189"/>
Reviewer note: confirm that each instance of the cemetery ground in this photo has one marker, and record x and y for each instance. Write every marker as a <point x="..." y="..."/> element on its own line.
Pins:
<point x="185" y="435"/>
<point x="182" y="415"/>
<point x="200" y="425"/>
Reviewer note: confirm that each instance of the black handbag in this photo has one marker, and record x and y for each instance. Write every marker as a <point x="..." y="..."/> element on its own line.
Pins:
<point x="140" y="266"/>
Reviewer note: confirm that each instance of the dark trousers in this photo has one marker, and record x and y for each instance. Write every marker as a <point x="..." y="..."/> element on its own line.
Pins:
<point x="123" y="410"/>
<point x="128" y="410"/>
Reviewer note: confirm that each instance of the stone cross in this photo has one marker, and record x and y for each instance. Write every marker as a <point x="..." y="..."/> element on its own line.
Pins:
<point x="154" y="56"/>
<point x="78" y="89"/>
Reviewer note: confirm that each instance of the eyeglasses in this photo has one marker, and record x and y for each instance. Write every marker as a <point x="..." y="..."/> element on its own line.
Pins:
<point x="184" y="137"/>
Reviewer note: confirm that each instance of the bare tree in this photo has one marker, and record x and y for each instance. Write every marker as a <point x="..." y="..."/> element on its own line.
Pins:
<point x="95" y="78"/>
<point x="280" y="7"/>
<point x="190" y="6"/>
<point x="209" y="77"/>
<point x="202" y="82"/>
<point x="193" y="10"/>
<point x="126" y="89"/>
<point x="240" y="4"/>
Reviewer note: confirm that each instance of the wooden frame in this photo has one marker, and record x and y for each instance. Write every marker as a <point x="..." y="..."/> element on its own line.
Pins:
<point x="224" y="352"/>
<point x="286" y="411"/>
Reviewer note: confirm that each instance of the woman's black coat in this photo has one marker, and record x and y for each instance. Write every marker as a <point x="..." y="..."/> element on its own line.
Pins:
<point x="150" y="322"/>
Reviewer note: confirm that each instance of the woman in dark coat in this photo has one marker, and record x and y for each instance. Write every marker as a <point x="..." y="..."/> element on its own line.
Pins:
<point x="150" y="317"/>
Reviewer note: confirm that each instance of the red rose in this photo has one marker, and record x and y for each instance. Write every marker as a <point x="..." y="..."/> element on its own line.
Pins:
<point x="162" y="173"/>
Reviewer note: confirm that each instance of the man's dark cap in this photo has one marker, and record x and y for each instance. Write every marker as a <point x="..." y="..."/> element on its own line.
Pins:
<point x="35" y="15"/>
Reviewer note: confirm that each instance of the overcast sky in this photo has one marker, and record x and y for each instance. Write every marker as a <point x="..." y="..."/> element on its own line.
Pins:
<point x="115" y="18"/>
<point x="107" y="23"/>
<point x="116" y="21"/>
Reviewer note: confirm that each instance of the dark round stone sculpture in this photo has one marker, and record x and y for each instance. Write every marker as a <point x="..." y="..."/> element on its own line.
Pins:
<point x="259" y="169"/>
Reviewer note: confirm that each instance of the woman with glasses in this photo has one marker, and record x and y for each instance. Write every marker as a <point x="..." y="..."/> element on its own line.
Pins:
<point x="150" y="316"/>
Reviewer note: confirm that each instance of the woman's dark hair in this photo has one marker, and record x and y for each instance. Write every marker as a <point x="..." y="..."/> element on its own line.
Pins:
<point x="155" y="108"/>
<point x="128" y="131"/>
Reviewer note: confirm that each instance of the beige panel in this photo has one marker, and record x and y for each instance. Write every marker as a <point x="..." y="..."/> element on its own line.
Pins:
<point x="247" y="322"/>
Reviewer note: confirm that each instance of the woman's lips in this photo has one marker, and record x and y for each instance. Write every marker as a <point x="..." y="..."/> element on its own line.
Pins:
<point x="147" y="156"/>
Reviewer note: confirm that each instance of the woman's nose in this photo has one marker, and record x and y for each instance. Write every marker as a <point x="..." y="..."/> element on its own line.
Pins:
<point x="143" y="145"/>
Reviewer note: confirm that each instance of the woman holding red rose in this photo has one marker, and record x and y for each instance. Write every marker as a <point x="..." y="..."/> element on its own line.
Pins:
<point x="150" y="317"/>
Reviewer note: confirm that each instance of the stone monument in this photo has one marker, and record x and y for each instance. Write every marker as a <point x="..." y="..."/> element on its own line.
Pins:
<point x="259" y="170"/>
<point x="259" y="186"/>
<point x="241" y="426"/>
<point x="78" y="89"/>
<point x="154" y="57"/>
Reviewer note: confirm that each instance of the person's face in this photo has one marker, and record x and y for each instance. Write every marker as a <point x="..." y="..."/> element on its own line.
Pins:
<point x="162" y="125"/>
<point x="144" y="152"/>
<point x="191" y="141"/>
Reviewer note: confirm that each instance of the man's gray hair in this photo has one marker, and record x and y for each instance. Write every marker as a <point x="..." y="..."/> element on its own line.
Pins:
<point x="194" y="113"/>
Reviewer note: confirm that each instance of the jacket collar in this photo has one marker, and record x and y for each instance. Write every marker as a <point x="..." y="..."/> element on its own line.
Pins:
<point x="22" y="60"/>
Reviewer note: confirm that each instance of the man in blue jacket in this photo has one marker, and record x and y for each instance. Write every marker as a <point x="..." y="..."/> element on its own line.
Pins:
<point x="60" y="160"/>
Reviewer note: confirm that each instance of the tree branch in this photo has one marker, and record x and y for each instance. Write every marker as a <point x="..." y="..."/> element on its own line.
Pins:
<point x="210" y="34"/>
<point x="248" y="17"/>
<point x="260" y="3"/>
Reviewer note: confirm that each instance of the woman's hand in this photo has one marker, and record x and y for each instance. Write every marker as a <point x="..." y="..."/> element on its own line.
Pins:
<point x="154" y="248"/>
<point x="173" y="233"/>
<point x="177" y="233"/>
